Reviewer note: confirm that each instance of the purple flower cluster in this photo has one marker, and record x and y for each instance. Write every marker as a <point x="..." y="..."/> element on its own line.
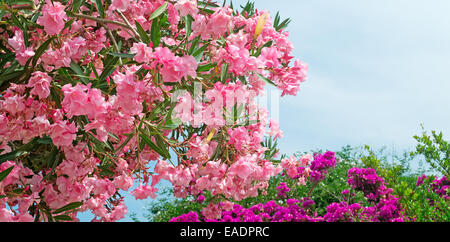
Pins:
<point x="385" y="205"/>
<point x="188" y="217"/>
<point x="283" y="189"/>
<point x="387" y="210"/>
<point x="367" y="181"/>
<point x="342" y="212"/>
<point x="200" y="199"/>
<point x="320" y="165"/>
<point x="293" y="211"/>
<point x="439" y="186"/>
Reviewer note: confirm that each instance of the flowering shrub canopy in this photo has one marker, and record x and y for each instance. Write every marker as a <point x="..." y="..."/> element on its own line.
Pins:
<point x="97" y="95"/>
<point x="382" y="207"/>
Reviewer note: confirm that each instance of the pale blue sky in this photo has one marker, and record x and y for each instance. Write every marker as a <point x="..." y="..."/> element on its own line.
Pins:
<point x="377" y="69"/>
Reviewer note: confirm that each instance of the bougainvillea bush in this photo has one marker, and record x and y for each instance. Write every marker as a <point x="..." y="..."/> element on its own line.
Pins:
<point x="358" y="185"/>
<point x="97" y="95"/>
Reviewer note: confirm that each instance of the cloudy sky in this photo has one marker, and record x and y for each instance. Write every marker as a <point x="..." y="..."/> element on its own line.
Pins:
<point x="377" y="70"/>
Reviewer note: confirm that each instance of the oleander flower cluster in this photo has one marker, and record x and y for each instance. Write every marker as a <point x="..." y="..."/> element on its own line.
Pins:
<point x="101" y="97"/>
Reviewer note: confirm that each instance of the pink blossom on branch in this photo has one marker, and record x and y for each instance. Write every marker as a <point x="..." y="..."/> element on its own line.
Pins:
<point x="185" y="111"/>
<point x="53" y="17"/>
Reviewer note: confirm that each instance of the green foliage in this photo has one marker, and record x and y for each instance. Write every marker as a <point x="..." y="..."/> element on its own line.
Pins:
<point x="422" y="204"/>
<point x="435" y="150"/>
<point x="392" y="171"/>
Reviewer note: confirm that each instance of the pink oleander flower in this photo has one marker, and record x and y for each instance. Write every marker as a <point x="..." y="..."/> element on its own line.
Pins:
<point x="142" y="51"/>
<point x="63" y="133"/>
<point x="220" y="21"/>
<point x="121" y="5"/>
<point x="186" y="7"/>
<point x="23" y="53"/>
<point x="178" y="68"/>
<point x="40" y="125"/>
<point x="53" y="17"/>
<point x="75" y="99"/>
<point x="40" y="84"/>
<point x="275" y="131"/>
<point x="143" y="192"/>
<point x="123" y="182"/>
<point x="118" y="212"/>
<point x="13" y="104"/>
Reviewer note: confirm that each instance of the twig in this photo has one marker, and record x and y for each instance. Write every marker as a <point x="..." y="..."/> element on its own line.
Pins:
<point x="116" y="47"/>
<point x="100" y="20"/>
<point x="128" y="23"/>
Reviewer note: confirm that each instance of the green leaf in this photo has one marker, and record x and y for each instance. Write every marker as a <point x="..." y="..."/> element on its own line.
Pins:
<point x="206" y="67"/>
<point x="159" y="11"/>
<point x="224" y="73"/>
<point x="76" y="5"/>
<point x="142" y="33"/>
<point x="10" y="76"/>
<point x="69" y="206"/>
<point x="110" y="66"/>
<point x="49" y="216"/>
<point x="154" y="147"/>
<point x="130" y="136"/>
<point x="5" y="173"/>
<point x="208" y="4"/>
<point x="188" y="19"/>
<point x="77" y="69"/>
<point x="267" y="44"/>
<point x="63" y="72"/>
<point x="45" y="140"/>
<point x="155" y="33"/>
<point x="194" y="44"/>
<point x="100" y="8"/>
<point x="62" y="218"/>
<point x="121" y="55"/>
<point x="16" y="21"/>
<point x="7" y="57"/>
<point x="51" y="161"/>
<point x="265" y="79"/>
<point x="283" y="25"/>
<point x="198" y="53"/>
<point x="170" y="123"/>
<point x="41" y="50"/>
<point x="11" y="155"/>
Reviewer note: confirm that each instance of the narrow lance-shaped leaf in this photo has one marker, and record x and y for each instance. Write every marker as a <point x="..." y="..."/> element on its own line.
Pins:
<point x="153" y="146"/>
<point x="41" y="50"/>
<point x="62" y="218"/>
<point x="224" y="73"/>
<point x="206" y="67"/>
<point x="77" y="69"/>
<point x="100" y="8"/>
<point x="121" y="55"/>
<point x="155" y="33"/>
<point x="159" y="11"/>
<point x="188" y="19"/>
<point x="142" y="33"/>
<point x="265" y="79"/>
<point x="68" y="207"/>
<point x="5" y="173"/>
